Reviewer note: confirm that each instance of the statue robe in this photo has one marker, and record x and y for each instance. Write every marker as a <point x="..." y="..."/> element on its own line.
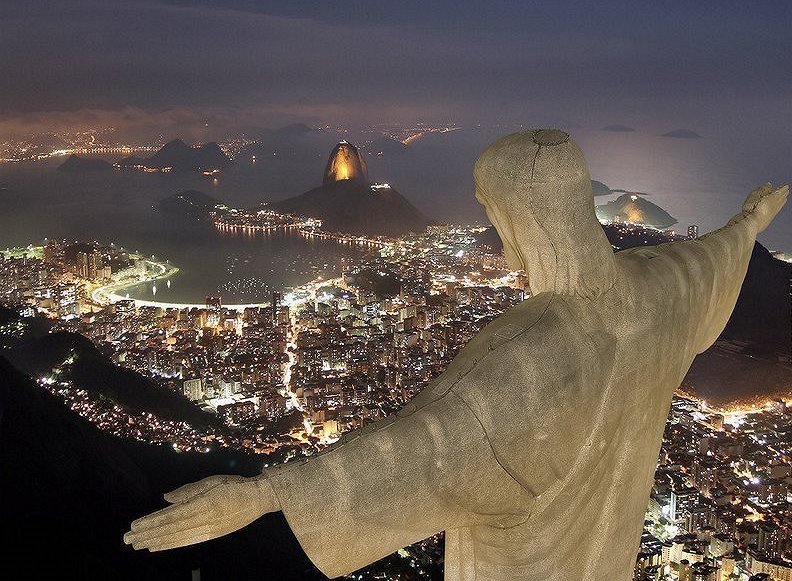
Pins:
<point x="535" y="451"/>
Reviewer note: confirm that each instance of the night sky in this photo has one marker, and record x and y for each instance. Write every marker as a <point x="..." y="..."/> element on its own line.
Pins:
<point x="657" y="65"/>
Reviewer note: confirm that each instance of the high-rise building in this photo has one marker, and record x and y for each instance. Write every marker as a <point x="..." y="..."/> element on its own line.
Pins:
<point x="237" y="413"/>
<point x="693" y="231"/>
<point x="89" y="264"/>
<point x="66" y="300"/>
<point x="214" y="308"/>
<point x="277" y="299"/>
<point x="193" y="389"/>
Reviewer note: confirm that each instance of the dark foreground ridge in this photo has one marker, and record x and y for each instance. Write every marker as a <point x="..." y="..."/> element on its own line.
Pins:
<point x="94" y="372"/>
<point x="70" y="492"/>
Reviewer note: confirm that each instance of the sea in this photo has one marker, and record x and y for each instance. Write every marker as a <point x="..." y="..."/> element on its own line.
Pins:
<point x="698" y="181"/>
<point x="120" y="208"/>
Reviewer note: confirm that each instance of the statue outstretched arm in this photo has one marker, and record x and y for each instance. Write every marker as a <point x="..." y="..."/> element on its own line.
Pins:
<point x="714" y="265"/>
<point x="398" y="482"/>
<point x="203" y="510"/>
<point x="393" y="483"/>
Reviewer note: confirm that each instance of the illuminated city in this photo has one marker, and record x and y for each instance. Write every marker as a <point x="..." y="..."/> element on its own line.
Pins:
<point x="339" y="353"/>
<point x="286" y="286"/>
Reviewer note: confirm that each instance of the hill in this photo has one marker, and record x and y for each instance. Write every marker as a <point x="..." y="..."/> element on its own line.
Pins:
<point x="634" y="209"/>
<point x="764" y="313"/>
<point x="94" y="372"/>
<point x="70" y="492"/>
<point x="75" y="163"/>
<point x="357" y="207"/>
<point x="345" y="163"/>
<point x="600" y="189"/>
<point x="179" y="156"/>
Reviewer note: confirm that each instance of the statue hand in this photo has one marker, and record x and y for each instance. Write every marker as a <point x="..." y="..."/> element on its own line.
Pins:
<point x="764" y="203"/>
<point x="204" y="510"/>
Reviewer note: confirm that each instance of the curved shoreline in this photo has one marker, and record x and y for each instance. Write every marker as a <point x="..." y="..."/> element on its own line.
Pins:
<point x="109" y="293"/>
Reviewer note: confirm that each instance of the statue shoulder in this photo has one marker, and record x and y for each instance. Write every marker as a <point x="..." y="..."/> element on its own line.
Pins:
<point x="537" y="342"/>
<point x="537" y="393"/>
<point x="517" y="321"/>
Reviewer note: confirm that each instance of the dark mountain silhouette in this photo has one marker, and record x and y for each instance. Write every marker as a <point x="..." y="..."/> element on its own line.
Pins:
<point x="346" y="201"/>
<point x="179" y="156"/>
<point x="70" y="491"/>
<point x="94" y="372"/>
<point x="682" y="134"/>
<point x="75" y="163"/>
<point x="293" y="129"/>
<point x="635" y="209"/>
<point x="356" y="207"/>
<point x="764" y="305"/>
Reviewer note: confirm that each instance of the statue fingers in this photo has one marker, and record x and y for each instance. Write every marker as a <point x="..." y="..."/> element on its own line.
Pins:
<point x="178" y="512"/>
<point x="756" y="196"/>
<point x="179" y="539"/>
<point x="139" y="536"/>
<point x="758" y="193"/>
<point x="782" y="193"/>
<point x="176" y="544"/>
<point x="778" y="199"/>
<point x="764" y="203"/>
<point x="195" y="488"/>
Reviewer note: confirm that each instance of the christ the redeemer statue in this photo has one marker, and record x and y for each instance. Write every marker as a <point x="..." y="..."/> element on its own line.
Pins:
<point x="535" y="451"/>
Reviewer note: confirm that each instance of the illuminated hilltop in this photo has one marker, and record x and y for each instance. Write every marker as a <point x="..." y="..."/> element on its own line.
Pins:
<point x="345" y="163"/>
<point x="635" y="209"/>
<point x="347" y="202"/>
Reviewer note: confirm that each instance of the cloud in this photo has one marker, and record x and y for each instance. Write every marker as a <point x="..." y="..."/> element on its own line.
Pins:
<point x="346" y="61"/>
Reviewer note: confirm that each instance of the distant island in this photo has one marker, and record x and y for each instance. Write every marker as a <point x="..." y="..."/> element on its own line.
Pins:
<point x="634" y="209"/>
<point x="176" y="155"/>
<point x="618" y="128"/>
<point x="682" y="134"/>
<point x="75" y="163"/>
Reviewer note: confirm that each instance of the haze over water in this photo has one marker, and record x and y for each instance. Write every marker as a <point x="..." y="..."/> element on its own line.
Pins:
<point x="118" y="207"/>
<point x="702" y="181"/>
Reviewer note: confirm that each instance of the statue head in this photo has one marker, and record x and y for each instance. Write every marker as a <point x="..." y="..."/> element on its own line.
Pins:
<point x="536" y="190"/>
